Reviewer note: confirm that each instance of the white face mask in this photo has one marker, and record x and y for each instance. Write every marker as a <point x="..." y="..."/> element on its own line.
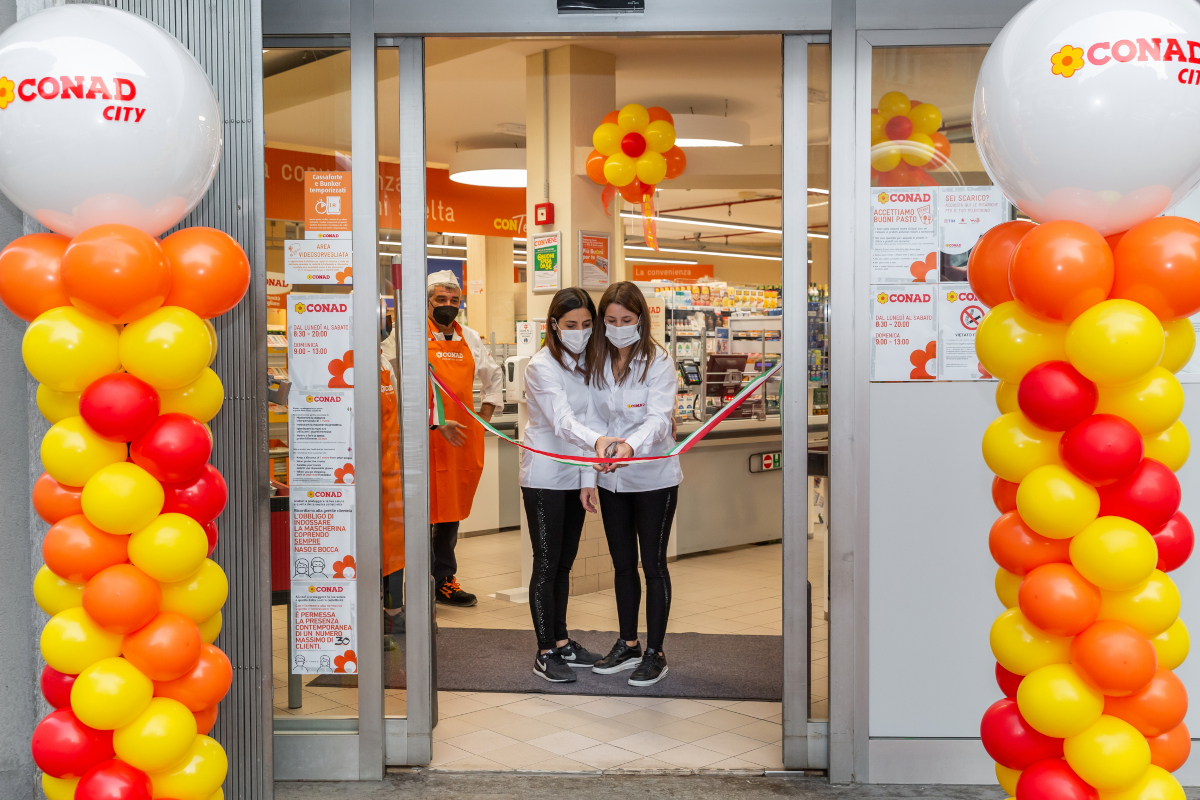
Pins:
<point x="624" y="336"/>
<point x="575" y="340"/>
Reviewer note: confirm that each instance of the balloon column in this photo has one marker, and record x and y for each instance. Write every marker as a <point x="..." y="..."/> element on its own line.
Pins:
<point x="905" y="141"/>
<point x="634" y="150"/>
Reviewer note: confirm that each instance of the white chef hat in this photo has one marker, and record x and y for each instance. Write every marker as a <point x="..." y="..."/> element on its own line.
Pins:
<point x="444" y="276"/>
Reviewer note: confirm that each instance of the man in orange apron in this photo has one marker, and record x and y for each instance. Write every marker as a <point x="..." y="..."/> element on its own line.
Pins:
<point x="393" y="508"/>
<point x="458" y="356"/>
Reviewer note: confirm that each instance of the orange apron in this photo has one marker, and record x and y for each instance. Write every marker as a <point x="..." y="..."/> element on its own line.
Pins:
<point x="456" y="470"/>
<point x="393" y="494"/>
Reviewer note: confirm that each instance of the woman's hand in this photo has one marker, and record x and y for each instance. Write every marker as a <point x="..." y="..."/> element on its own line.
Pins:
<point x="588" y="498"/>
<point x="452" y="433"/>
<point x="619" y="450"/>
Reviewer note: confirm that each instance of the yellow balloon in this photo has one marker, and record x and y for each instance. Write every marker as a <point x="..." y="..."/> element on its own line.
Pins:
<point x="1114" y="553"/>
<point x="1110" y="754"/>
<point x="57" y="406"/>
<point x="197" y="776"/>
<point x="886" y="158"/>
<point x="1055" y="503"/>
<point x="1171" y="447"/>
<point x="1172" y="645"/>
<point x="918" y="150"/>
<point x="72" y="452"/>
<point x="167" y="348"/>
<point x="210" y="627"/>
<point x="1007" y="778"/>
<point x="893" y="103"/>
<point x="110" y="694"/>
<point x="926" y="119"/>
<point x="53" y="594"/>
<point x="212" y="338"/>
<point x="170" y="548"/>
<point x="158" y="738"/>
<point x="122" y="498"/>
<point x="1007" y="587"/>
<point x="66" y="349"/>
<point x="72" y="641"/>
<point x="1022" y="647"/>
<point x="1151" y="402"/>
<point x="633" y="118"/>
<point x="651" y="167"/>
<point x="1180" y="344"/>
<point x="660" y="136"/>
<point x="1151" y="607"/>
<point x="201" y="399"/>
<point x="219" y="794"/>
<point x="878" y="132"/>
<point x="619" y="169"/>
<point x="1013" y="447"/>
<point x="1010" y="341"/>
<point x="1056" y="701"/>
<point x="59" y="788"/>
<point x="1006" y="397"/>
<point x="607" y="138"/>
<point x="1155" y="784"/>
<point x="200" y="596"/>
<point x="1115" y="341"/>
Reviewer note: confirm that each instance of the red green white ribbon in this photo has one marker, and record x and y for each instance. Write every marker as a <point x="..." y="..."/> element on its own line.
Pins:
<point x="438" y="417"/>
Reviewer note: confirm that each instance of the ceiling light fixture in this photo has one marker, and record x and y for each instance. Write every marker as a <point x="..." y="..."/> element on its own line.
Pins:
<point x="709" y="253"/>
<point x="707" y="223"/>
<point x="494" y="166"/>
<point x="657" y="260"/>
<point x="709" y="130"/>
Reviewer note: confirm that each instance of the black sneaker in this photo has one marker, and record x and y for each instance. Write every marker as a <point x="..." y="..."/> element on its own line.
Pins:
<point x="393" y="623"/>
<point x="551" y="666"/>
<point x="576" y="655"/>
<point x="621" y="657"/>
<point x="449" y="593"/>
<point x="652" y="669"/>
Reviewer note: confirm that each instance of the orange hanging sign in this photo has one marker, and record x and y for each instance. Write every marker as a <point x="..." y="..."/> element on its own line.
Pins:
<point x="327" y="205"/>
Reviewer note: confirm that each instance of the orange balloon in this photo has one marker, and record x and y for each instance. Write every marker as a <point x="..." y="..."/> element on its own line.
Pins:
<point x="1004" y="494"/>
<point x="1171" y="749"/>
<point x="205" y="719"/>
<point x="209" y="271"/>
<point x="1113" y="240"/>
<point x="204" y="685"/>
<point x="75" y="549"/>
<point x="115" y="273"/>
<point x="1061" y="269"/>
<point x="122" y="598"/>
<point x="53" y="501"/>
<point x="595" y="167"/>
<point x="1157" y="708"/>
<point x="987" y="266"/>
<point x="941" y="150"/>
<point x="165" y="649"/>
<point x="1114" y="657"/>
<point x="676" y="162"/>
<point x="658" y="112"/>
<point x="30" y="278"/>
<point x="1158" y="265"/>
<point x="610" y="117"/>
<point x="635" y="191"/>
<point x="1019" y="550"/>
<point x="1057" y="599"/>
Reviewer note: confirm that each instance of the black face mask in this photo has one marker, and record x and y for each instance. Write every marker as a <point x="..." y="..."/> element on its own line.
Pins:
<point x="444" y="315"/>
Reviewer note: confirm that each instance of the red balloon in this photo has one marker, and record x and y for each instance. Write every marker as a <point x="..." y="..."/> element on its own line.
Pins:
<point x="1008" y="681"/>
<point x="1149" y="497"/>
<point x="1004" y="494"/>
<point x="174" y="449"/>
<point x="210" y="530"/>
<point x="1055" y="396"/>
<point x="1053" y="779"/>
<point x="1011" y="741"/>
<point x="30" y="275"/>
<point x="119" y="407"/>
<point x="635" y="191"/>
<point x="63" y="747"/>
<point x="898" y="127"/>
<point x="633" y="144"/>
<point x="113" y="780"/>
<point x="202" y="498"/>
<point x="56" y="687"/>
<point x="987" y="266"/>
<point x="1175" y="541"/>
<point x="53" y="501"/>
<point x="1102" y="449"/>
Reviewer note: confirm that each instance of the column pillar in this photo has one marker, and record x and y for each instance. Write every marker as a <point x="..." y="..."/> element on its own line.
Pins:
<point x="490" y="287"/>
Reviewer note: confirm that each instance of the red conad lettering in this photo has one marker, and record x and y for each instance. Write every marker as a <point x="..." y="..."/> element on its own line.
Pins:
<point x="42" y="91"/>
<point x="97" y="89"/>
<point x="21" y="89"/>
<point x="1180" y="76"/>
<point x="105" y="112"/>
<point x="1116" y="50"/>
<point x="1145" y="49"/>
<point x="72" y="87"/>
<point x="1173" y="48"/>
<point x="1192" y="48"/>
<point x="123" y="84"/>
<point x="1091" y="53"/>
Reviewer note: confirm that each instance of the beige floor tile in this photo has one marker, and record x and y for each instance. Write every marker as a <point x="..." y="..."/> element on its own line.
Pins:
<point x="604" y="756"/>
<point x="456" y="706"/>
<point x="723" y="719"/>
<point x="570" y="718"/>
<point x="686" y="730"/>
<point x="682" y="708"/>
<point x="520" y="755"/>
<point x="495" y="699"/>
<point x="646" y="743"/>
<point x="481" y="742"/>
<point x="729" y="744"/>
<point x="757" y="709"/>
<point x="736" y="765"/>
<point x="650" y="765"/>
<point x="770" y="756"/>
<point x="563" y="743"/>
<point x="763" y="731"/>
<point x="560" y="764"/>
<point x="689" y="756"/>
<point x="473" y="763"/>
<point x="444" y="753"/>
<point x="525" y="729"/>
<point x="454" y="726"/>
<point x="607" y="730"/>
<point x="646" y="719"/>
<point x="607" y="707"/>
<point x="571" y="700"/>
<point x="533" y="707"/>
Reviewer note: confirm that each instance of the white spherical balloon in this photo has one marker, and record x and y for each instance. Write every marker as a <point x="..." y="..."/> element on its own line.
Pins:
<point x="1088" y="110"/>
<point x="104" y="118"/>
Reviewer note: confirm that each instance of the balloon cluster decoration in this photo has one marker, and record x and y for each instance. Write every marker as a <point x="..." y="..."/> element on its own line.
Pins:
<point x="634" y="151"/>
<point x="905" y="141"/>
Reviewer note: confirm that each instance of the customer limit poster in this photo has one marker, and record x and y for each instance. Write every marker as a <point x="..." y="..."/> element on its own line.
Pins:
<point x="965" y="214"/>
<point x="904" y="242"/>
<point x="320" y="344"/>
<point x="904" y="333"/>
<point x="959" y="313"/>
<point x="322" y="532"/>
<point x="594" y="261"/>
<point x="321" y="425"/>
<point x="323" y="628"/>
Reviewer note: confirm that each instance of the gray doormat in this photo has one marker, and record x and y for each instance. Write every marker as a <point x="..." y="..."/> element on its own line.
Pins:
<point x="701" y="665"/>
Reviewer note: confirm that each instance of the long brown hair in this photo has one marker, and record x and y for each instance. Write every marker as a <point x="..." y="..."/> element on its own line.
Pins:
<point x="564" y="302"/>
<point x="627" y="294"/>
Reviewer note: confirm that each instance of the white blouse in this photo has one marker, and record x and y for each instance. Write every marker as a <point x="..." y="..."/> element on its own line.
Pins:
<point x="558" y="401"/>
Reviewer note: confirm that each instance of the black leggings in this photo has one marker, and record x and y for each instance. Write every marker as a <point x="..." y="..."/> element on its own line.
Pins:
<point x="636" y="521"/>
<point x="555" y="523"/>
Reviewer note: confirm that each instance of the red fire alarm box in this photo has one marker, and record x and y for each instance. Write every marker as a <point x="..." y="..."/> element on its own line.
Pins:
<point x="543" y="214"/>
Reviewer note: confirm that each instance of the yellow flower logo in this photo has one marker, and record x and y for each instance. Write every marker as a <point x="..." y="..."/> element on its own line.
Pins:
<point x="882" y="297"/>
<point x="883" y="197"/>
<point x="1066" y="61"/>
<point x="299" y="308"/>
<point x="952" y="297"/>
<point x="7" y="92"/>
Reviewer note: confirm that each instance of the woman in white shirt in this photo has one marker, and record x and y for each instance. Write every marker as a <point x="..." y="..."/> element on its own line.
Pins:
<point x="633" y="386"/>
<point x="556" y="495"/>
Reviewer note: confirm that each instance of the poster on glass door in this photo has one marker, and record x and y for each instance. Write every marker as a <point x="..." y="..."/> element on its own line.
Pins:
<point x="959" y="313"/>
<point x="320" y="343"/>
<point x="323" y="628"/>
<point x="318" y="261"/>
<point x="904" y="333"/>
<point x="904" y="241"/>
<point x="322" y="533"/>
<point x="321" y="444"/>
<point x="965" y="213"/>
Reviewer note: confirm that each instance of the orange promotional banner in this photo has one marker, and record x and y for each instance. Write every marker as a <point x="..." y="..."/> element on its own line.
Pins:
<point x="327" y="205"/>
<point x="682" y="272"/>
<point x="450" y="207"/>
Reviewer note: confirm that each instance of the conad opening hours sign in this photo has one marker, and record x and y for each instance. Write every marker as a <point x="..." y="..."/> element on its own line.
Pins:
<point x="904" y="333"/>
